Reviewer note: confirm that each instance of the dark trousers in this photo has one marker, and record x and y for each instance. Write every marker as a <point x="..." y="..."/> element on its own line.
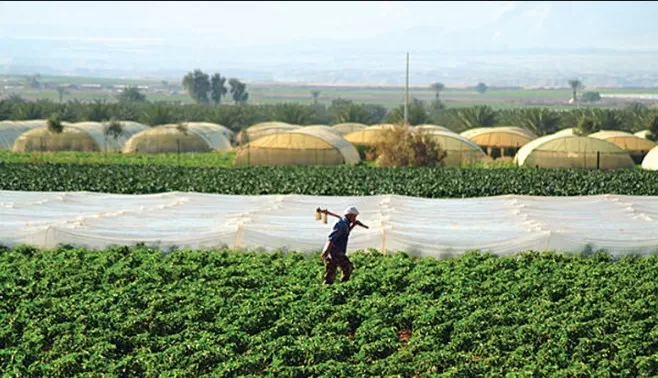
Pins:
<point x="332" y="263"/>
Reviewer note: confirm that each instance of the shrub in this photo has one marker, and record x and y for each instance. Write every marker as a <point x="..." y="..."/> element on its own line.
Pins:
<point x="652" y="135"/>
<point x="55" y="123"/>
<point x="585" y="127"/>
<point x="402" y="146"/>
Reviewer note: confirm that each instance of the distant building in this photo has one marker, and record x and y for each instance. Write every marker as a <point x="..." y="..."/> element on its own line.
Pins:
<point x="91" y="86"/>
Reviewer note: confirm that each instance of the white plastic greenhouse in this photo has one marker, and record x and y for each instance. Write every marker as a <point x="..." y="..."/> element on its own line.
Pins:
<point x="423" y="227"/>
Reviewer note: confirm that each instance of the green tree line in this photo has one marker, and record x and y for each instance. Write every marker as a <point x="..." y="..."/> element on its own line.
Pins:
<point x="134" y="108"/>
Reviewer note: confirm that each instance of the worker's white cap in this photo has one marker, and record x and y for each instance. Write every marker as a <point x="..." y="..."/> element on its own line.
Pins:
<point x="351" y="210"/>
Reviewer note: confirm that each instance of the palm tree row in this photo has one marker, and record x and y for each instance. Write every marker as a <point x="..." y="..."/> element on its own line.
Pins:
<point x="540" y="120"/>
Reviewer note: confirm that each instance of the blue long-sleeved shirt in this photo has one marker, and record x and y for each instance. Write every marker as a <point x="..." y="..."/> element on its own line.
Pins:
<point x="339" y="236"/>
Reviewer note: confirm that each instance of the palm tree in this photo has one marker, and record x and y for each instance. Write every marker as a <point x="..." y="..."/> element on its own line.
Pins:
<point x="575" y="86"/>
<point x="295" y="114"/>
<point x="438" y="87"/>
<point x="477" y="116"/>
<point x="61" y="91"/>
<point x="315" y="95"/>
<point x="541" y="121"/>
<point x="217" y="88"/>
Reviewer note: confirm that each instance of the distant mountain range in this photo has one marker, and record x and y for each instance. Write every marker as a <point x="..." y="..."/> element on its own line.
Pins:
<point x="532" y="44"/>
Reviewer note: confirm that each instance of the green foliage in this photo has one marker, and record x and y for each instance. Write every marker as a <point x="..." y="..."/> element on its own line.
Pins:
<point x="294" y="114"/>
<point x="142" y="312"/>
<point x="159" y="114"/>
<point x="69" y="113"/>
<point x="61" y="91"/>
<point x="113" y="129"/>
<point x="188" y="159"/>
<point x="182" y="128"/>
<point x="653" y="129"/>
<point x="541" y="121"/>
<point x="477" y="116"/>
<point x="591" y="97"/>
<point x="32" y="110"/>
<point x="406" y="147"/>
<point x="607" y="119"/>
<point x="15" y="99"/>
<point x="238" y="91"/>
<point x="315" y="94"/>
<point x="437" y="87"/>
<point x="197" y="85"/>
<point x="327" y="180"/>
<point x="575" y="85"/>
<point x="342" y="111"/>
<point x="5" y="110"/>
<point x="417" y="113"/>
<point x="637" y="107"/>
<point x="55" y="123"/>
<point x="586" y="126"/>
<point x="481" y="88"/>
<point x="217" y="88"/>
<point x="98" y="111"/>
<point x="131" y="95"/>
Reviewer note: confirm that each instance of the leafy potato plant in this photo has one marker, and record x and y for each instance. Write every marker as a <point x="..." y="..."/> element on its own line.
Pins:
<point x="342" y="181"/>
<point x="141" y="312"/>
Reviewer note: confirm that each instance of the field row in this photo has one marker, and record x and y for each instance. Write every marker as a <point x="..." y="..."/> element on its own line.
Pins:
<point x="143" y="313"/>
<point x="192" y="159"/>
<point x="334" y="181"/>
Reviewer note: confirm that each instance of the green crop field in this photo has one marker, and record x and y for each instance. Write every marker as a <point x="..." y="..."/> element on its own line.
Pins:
<point x="210" y="159"/>
<point x="332" y="181"/>
<point x="141" y="312"/>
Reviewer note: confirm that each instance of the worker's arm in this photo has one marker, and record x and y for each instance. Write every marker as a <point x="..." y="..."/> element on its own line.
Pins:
<point x="328" y="248"/>
<point x="357" y="223"/>
<point x="325" y="211"/>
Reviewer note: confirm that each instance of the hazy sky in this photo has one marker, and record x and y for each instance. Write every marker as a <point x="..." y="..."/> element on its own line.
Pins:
<point x="247" y="22"/>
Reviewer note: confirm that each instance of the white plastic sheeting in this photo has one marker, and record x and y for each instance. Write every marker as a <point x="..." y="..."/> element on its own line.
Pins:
<point x="422" y="227"/>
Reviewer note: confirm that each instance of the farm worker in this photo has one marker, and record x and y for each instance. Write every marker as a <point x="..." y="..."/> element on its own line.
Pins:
<point x="334" y="254"/>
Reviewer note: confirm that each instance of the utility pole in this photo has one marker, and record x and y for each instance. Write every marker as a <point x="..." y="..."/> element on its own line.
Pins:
<point x="406" y="96"/>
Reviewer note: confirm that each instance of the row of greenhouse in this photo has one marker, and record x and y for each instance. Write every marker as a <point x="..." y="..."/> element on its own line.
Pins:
<point x="278" y="143"/>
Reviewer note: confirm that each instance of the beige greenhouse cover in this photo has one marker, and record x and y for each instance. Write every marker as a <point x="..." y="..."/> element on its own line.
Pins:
<point x="298" y="147"/>
<point x="460" y="151"/>
<point x="556" y="151"/>
<point x="263" y="129"/>
<point x="439" y="228"/>
<point x="11" y="130"/>
<point x="81" y="136"/>
<point x="497" y="137"/>
<point x="650" y="161"/>
<point x="107" y="143"/>
<point x="346" y="128"/>
<point x="519" y="129"/>
<point x="369" y="135"/>
<point x="41" y="139"/>
<point x="642" y="134"/>
<point x="199" y="137"/>
<point x="432" y="128"/>
<point x="228" y="133"/>
<point x="323" y="128"/>
<point x="625" y="141"/>
<point x="566" y="132"/>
